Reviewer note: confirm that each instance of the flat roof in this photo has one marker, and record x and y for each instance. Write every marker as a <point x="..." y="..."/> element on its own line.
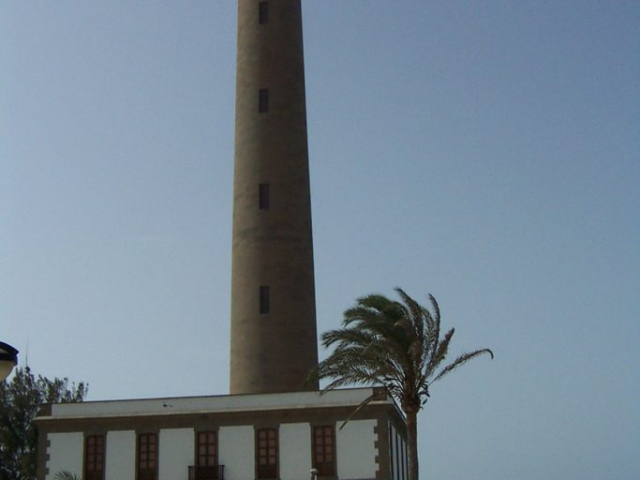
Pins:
<point x="216" y="404"/>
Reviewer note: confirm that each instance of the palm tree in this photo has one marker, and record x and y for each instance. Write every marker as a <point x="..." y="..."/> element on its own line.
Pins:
<point x="396" y="344"/>
<point x="66" y="475"/>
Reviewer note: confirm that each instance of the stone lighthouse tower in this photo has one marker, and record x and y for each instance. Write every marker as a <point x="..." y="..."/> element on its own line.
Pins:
<point x="273" y="323"/>
<point x="273" y="319"/>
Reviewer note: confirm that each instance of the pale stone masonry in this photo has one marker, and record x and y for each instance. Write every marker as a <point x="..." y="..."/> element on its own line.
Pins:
<point x="273" y="311"/>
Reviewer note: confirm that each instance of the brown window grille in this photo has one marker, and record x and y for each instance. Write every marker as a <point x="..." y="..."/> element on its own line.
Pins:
<point x="94" y="457"/>
<point x="147" y="456"/>
<point x="267" y="453"/>
<point x="324" y="451"/>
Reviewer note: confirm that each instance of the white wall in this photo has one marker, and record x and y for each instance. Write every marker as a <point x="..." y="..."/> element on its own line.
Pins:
<point x="121" y="455"/>
<point x="295" y="451"/>
<point x="356" y="450"/>
<point x="65" y="453"/>
<point x="177" y="453"/>
<point x="237" y="452"/>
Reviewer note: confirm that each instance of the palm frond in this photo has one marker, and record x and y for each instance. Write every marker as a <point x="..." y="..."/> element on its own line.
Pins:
<point x="439" y="353"/>
<point x="415" y="312"/>
<point x="395" y="344"/>
<point x="436" y="308"/>
<point x="363" y="404"/>
<point x="344" y="336"/>
<point x="66" y="475"/>
<point x="461" y="360"/>
<point x="433" y="327"/>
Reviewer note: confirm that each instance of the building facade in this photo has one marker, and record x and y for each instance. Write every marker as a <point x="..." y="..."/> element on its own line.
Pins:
<point x="233" y="437"/>
<point x="274" y="425"/>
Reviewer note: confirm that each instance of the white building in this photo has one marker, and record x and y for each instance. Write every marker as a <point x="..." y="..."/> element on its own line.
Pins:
<point x="231" y="437"/>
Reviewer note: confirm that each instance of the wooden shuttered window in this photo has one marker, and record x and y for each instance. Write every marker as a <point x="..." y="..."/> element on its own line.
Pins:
<point x="94" y="457"/>
<point x="147" y="456"/>
<point x="324" y="450"/>
<point x="267" y="453"/>
<point x="207" y="449"/>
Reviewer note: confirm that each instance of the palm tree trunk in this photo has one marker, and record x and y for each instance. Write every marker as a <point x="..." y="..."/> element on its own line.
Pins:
<point x="412" y="443"/>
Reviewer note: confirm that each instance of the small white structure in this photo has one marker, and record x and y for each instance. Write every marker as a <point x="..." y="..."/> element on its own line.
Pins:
<point x="232" y="437"/>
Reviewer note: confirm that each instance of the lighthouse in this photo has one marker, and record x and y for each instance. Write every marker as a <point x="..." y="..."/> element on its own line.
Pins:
<point x="273" y="425"/>
<point x="273" y="311"/>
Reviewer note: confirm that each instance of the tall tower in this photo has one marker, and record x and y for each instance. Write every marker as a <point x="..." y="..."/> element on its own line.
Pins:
<point x="273" y="318"/>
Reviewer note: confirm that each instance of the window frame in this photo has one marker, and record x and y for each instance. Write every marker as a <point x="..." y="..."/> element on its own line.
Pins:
<point x="327" y="432"/>
<point x="210" y="447"/>
<point x="268" y="471"/>
<point x="140" y="472"/>
<point x="98" y="454"/>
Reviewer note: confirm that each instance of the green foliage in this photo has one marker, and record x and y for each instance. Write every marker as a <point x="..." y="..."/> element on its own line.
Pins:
<point x="20" y="401"/>
<point x="66" y="475"/>
<point x="395" y="344"/>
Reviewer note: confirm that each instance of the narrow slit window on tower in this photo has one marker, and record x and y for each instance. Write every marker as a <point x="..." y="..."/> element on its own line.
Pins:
<point x="263" y="195"/>
<point x="265" y="303"/>
<point x="263" y="12"/>
<point x="263" y="100"/>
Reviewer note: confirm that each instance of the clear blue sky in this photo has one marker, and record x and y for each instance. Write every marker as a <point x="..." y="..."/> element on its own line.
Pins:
<point x="486" y="152"/>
